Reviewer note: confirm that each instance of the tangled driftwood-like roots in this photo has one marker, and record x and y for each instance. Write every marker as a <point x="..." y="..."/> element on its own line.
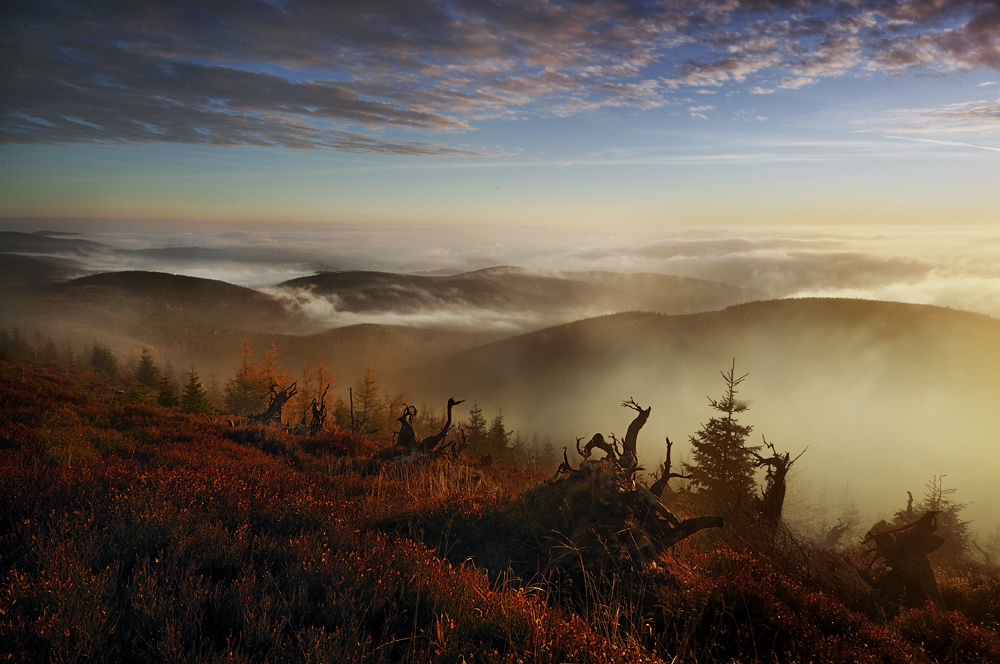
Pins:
<point x="602" y="502"/>
<point x="909" y="578"/>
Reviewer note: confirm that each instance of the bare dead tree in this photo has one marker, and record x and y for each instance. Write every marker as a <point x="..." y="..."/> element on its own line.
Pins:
<point x="430" y="443"/>
<point x="629" y="445"/>
<point x="276" y="404"/>
<point x="666" y="474"/>
<point x="778" y="466"/>
<point x="318" y="408"/>
<point x="597" y="442"/>
<point x="453" y="447"/>
<point x="406" y="437"/>
<point x="350" y="397"/>
<point x="993" y="546"/>
<point x="835" y="534"/>
<point x="615" y="483"/>
<point x="904" y="551"/>
<point x="985" y="554"/>
<point x="565" y="469"/>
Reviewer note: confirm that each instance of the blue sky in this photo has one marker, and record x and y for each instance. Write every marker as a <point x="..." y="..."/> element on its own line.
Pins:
<point x="726" y="113"/>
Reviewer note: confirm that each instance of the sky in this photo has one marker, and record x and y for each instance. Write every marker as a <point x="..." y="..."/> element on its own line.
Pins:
<point x="502" y="114"/>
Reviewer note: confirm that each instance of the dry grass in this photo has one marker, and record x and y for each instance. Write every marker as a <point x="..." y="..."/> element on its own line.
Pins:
<point x="133" y="533"/>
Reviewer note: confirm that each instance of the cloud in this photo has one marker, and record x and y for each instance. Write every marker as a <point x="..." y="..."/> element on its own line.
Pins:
<point x="326" y="311"/>
<point x="394" y="77"/>
<point x="796" y="83"/>
<point x="943" y="266"/>
<point x="939" y="287"/>
<point x="698" y="112"/>
<point x="977" y="116"/>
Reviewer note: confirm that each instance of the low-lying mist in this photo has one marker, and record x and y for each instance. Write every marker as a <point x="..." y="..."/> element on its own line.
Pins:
<point x="884" y="398"/>
<point x="944" y="266"/>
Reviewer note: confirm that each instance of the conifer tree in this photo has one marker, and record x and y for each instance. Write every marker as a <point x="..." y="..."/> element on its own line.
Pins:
<point x="167" y="393"/>
<point x="49" y="352"/>
<point x="102" y="360"/>
<point x="724" y="465"/>
<point x="147" y="372"/>
<point x="247" y="392"/>
<point x="194" y="398"/>
<point x="498" y="440"/>
<point x="547" y="459"/>
<point x="950" y="526"/>
<point x="341" y="413"/>
<point x="367" y="407"/>
<point x="519" y="451"/>
<point x="306" y="393"/>
<point x="325" y="380"/>
<point x="476" y="432"/>
<point x="13" y="345"/>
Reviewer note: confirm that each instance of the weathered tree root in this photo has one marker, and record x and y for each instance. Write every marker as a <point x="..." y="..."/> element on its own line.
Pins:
<point x="904" y="550"/>
<point x="604" y="498"/>
<point x="276" y="404"/>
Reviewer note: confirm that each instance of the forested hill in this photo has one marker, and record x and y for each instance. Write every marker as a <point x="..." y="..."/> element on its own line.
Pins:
<point x="518" y="290"/>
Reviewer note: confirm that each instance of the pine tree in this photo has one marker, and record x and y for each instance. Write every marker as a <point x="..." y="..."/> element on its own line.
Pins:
<point x="367" y="406"/>
<point x="548" y="460"/>
<point x="303" y="398"/>
<point x="49" y="352"/>
<point x="325" y="380"/>
<point x="476" y="432"/>
<point x="103" y="361"/>
<point x="498" y="440"/>
<point x="955" y="531"/>
<point x="13" y="345"/>
<point x="341" y="413"/>
<point x="247" y="392"/>
<point x="147" y="373"/>
<point x="167" y="393"/>
<point x="194" y="398"/>
<point x="519" y="451"/>
<point x="724" y="465"/>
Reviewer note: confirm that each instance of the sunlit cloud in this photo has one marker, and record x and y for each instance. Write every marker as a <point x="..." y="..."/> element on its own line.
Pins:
<point x="418" y="78"/>
<point x="977" y="116"/>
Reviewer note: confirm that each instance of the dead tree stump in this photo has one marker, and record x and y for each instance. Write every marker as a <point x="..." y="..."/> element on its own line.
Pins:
<point x="904" y="550"/>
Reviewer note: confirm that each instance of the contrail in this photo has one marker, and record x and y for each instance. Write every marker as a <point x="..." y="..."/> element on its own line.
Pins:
<point x="951" y="143"/>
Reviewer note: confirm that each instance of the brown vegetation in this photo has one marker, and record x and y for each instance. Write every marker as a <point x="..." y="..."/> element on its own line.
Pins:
<point x="129" y="531"/>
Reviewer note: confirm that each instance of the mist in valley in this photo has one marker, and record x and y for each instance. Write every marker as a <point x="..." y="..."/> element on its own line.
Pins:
<point x="884" y="393"/>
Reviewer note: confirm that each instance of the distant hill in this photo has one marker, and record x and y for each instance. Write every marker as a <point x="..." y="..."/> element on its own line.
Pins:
<point x="126" y="310"/>
<point x="45" y="242"/>
<point x="203" y="321"/>
<point x="885" y="394"/>
<point x="149" y="298"/>
<point x="17" y="270"/>
<point x="516" y="289"/>
<point x="42" y="257"/>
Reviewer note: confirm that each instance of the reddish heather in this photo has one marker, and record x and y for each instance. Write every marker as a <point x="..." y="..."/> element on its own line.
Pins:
<point x="129" y="532"/>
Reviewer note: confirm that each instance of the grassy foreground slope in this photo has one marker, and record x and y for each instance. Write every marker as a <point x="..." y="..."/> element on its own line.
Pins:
<point x="131" y="533"/>
<point x="134" y="533"/>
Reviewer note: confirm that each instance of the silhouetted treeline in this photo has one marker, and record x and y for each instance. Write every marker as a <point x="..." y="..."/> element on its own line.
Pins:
<point x="367" y="407"/>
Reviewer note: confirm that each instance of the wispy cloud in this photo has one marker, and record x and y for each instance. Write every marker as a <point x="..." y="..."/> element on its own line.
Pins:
<point x="977" y="116"/>
<point x="408" y="77"/>
<point x="949" y="143"/>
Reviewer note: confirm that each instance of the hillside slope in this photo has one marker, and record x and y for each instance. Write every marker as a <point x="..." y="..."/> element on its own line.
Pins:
<point x="885" y="395"/>
<point x="132" y="532"/>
